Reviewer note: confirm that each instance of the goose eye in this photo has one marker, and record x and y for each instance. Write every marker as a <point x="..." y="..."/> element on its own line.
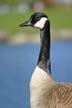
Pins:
<point x="37" y="18"/>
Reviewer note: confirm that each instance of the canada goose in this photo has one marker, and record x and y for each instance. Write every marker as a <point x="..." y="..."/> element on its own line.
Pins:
<point x="44" y="91"/>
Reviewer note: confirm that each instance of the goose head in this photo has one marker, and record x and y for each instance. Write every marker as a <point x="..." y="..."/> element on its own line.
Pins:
<point x="37" y="20"/>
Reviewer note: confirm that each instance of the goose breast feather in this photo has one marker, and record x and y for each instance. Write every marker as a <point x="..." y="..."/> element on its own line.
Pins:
<point x="58" y="96"/>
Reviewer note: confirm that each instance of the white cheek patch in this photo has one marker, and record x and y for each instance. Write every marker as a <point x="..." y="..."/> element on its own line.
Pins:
<point x="40" y="24"/>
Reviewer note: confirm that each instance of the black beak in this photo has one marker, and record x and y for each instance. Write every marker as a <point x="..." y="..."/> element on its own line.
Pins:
<point x="27" y="23"/>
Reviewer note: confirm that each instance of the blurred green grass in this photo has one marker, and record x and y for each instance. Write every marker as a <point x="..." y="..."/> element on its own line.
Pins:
<point x="59" y="17"/>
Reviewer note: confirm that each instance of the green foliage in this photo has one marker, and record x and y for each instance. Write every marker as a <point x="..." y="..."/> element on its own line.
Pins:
<point x="10" y="22"/>
<point x="29" y="1"/>
<point x="14" y="2"/>
<point x="10" y="2"/>
<point x="59" y="17"/>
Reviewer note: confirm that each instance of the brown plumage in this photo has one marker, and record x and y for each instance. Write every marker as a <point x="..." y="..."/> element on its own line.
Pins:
<point x="46" y="93"/>
<point x="60" y="96"/>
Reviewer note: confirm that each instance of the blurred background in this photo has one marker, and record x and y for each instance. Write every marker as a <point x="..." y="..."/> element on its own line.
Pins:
<point x="19" y="47"/>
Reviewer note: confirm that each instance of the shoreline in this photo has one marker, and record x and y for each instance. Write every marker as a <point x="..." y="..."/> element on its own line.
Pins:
<point x="56" y="34"/>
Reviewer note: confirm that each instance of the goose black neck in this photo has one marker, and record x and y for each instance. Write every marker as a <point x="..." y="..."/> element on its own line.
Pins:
<point x="44" y="56"/>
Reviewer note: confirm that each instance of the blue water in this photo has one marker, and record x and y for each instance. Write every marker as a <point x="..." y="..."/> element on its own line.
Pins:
<point x="17" y="63"/>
